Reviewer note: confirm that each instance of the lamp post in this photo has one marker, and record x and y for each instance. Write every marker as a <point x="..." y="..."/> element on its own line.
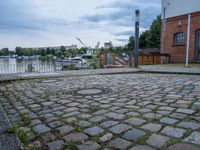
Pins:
<point x="137" y="30"/>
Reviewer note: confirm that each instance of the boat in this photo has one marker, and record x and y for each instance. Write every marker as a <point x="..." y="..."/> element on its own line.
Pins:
<point x="78" y="62"/>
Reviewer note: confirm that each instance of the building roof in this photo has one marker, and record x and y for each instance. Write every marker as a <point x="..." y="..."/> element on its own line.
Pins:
<point x="173" y="8"/>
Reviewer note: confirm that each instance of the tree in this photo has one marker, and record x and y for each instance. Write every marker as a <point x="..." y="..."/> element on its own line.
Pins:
<point x="53" y="51"/>
<point x="43" y="52"/>
<point x="62" y="49"/>
<point x="48" y="51"/>
<point x="150" y="38"/>
<point x="131" y="43"/>
<point x="154" y="34"/>
<point x="82" y="50"/>
<point x="19" y="51"/>
<point x="144" y="39"/>
<point x="5" y="51"/>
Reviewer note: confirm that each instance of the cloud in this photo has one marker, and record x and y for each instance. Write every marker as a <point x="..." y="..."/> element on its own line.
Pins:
<point x="122" y="13"/>
<point x="50" y="22"/>
<point x="129" y="33"/>
<point x="122" y="40"/>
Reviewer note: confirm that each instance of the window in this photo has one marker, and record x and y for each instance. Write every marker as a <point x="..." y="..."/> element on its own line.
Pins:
<point x="179" y="38"/>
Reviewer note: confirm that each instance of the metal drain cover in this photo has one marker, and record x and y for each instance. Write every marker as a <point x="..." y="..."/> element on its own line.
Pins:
<point x="90" y="91"/>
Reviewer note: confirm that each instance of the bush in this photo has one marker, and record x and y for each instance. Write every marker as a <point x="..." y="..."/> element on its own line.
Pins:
<point x="95" y="62"/>
<point x="71" y="67"/>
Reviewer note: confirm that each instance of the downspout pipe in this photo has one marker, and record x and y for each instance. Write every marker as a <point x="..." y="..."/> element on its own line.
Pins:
<point x="188" y="41"/>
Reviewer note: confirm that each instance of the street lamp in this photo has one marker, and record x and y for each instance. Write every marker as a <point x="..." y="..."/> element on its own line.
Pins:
<point x="137" y="30"/>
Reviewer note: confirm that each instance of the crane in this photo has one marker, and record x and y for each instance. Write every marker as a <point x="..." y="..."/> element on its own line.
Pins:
<point x="81" y="42"/>
<point x="97" y="47"/>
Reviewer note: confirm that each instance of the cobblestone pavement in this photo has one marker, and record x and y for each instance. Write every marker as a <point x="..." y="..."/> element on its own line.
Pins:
<point x="130" y="111"/>
<point x="170" y="69"/>
<point x="36" y="75"/>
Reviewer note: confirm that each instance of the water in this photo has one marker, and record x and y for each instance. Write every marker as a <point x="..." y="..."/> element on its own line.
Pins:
<point x="12" y="65"/>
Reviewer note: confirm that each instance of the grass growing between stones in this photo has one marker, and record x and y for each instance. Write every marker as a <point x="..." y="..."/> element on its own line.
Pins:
<point x="78" y="128"/>
<point x="26" y="120"/>
<point x="173" y="141"/>
<point x="23" y="136"/>
<point x="96" y="139"/>
<point x="72" y="145"/>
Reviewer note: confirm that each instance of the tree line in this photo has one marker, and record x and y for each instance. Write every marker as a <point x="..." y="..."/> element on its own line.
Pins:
<point x="62" y="51"/>
<point x="149" y="38"/>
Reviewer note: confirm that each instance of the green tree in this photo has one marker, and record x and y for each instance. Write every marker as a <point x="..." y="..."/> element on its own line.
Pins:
<point x="62" y="49"/>
<point x="82" y="50"/>
<point x="154" y="34"/>
<point x="144" y="39"/>
<point x="5" y="51"/>
<point x="150" y="38"/>
<point x="53" y="51"/>
<point x="43" y="52"/>
<point x="19" y="51"/>
<point x="131" y="43"/>
<point x="48" y="51"/>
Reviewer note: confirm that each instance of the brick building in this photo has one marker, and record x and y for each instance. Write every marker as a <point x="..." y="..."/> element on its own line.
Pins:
<point x="180" y="33"/>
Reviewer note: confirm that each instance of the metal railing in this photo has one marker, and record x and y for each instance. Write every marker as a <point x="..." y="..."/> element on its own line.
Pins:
<point x="41" y="68"/>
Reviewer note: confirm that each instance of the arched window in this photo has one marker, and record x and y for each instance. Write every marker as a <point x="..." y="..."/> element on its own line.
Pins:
<point x="179" y="38"/>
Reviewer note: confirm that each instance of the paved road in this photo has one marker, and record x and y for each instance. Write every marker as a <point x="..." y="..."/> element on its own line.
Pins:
<point x="129" y="111"/>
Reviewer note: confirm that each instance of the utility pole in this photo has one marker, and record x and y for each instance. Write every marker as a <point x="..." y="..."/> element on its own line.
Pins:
<point x="137" y="30"/>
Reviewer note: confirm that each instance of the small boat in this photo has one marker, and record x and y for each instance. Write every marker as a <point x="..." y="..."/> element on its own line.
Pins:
<point x="78" y="62"/>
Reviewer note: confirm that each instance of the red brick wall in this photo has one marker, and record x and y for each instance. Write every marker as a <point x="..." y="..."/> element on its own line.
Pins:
<point x="178" y="52"/>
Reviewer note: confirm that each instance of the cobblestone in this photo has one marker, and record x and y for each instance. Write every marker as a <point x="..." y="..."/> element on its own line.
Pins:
<point x="75" y="137"/>
<point x="189" y="125"/>
<point x="183" y="146"/>
<point x="106" y="137"/>
<point x="94" y="131"/>
<point x="65" y="129"/>
<point x="41" y="128"/>
<point x="133" y="113"/>
<point x="193" y="138"/>
<point x="120" y="128"/>
<point x="90" y="145"/>
<point x="120" y="144"/>
<point x="56" y="145"/>
<point x="108" y="124"/>
<point x="152" y="127"/>
<point x="142" y="147"/>
<point x="158" y="141"/>
<point x="168" y="120"/>
<point x="133" y="134"/>
<point x="173" y="132"/>
<point x="135" y="121"/>
<point x="185" y="111"/>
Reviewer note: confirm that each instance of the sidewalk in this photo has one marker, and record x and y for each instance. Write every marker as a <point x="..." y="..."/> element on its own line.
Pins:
<point x="11" y="77"/>
<point x="165" y="69"/>
<point x="171" y="69"/>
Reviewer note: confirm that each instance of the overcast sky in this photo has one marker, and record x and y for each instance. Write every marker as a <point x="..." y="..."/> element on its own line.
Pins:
<point x="35" y="23"/>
